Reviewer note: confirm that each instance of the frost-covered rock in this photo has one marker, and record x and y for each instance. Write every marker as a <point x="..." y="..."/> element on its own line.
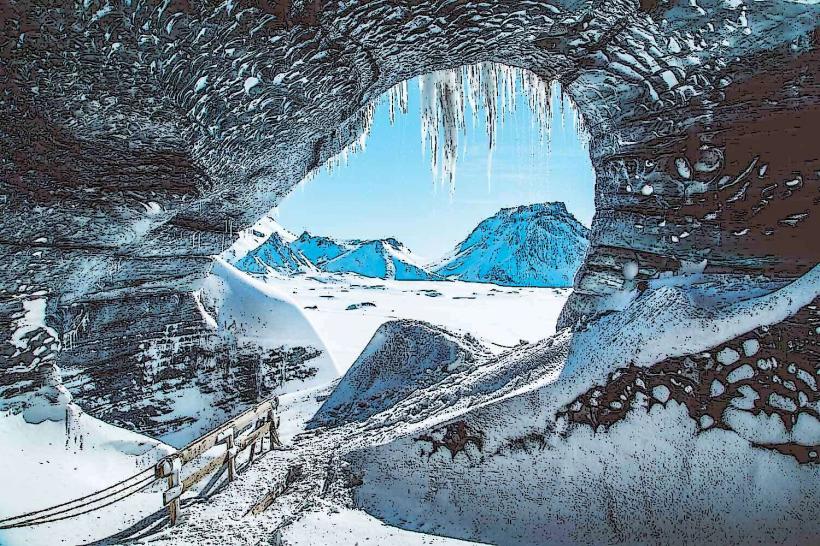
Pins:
<point x="402" y="357"/>
<point x="535" y="245"/>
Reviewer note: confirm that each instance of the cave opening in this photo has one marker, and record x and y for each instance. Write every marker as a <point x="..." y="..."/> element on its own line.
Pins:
<point x="473" y="215"/>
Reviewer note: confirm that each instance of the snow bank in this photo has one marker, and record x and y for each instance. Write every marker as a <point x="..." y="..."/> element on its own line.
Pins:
<point x="257" y="313"/>
<point x="55" y="461"/>
<point x="652" y="477"/>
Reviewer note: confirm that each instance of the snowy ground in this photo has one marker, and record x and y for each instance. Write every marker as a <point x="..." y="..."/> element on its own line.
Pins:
<point x="521" y="477"/>
<point x="45" y="464"/>
<point x="51" y="465"/>
<point x="476" y="452"/>
<point x="501" y="316"/>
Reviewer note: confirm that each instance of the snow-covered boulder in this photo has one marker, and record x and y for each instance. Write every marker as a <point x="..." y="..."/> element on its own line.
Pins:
<point x="533" y="245"/>
<point x="402" y="356"/>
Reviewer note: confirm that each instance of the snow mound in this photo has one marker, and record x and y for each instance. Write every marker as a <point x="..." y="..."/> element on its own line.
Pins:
<point x="532" y="245"/>
<point x="254" y="313"/>
<point x="383" y="259"/>
<point x="402" y="357"/>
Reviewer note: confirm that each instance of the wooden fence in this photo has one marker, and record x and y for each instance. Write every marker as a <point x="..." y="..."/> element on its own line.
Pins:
<point x="238" y="434"/>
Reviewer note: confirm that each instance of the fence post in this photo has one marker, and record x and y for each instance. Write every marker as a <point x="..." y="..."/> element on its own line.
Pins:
<point x="231" y="456"/>
<point x="272" y="434"/>
<point x="169" y="468"/>
<point x="253" y="445"/>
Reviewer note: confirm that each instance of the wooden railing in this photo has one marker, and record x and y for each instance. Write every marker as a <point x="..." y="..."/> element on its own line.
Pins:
<point x="238" y="434"/>
<point x="262" y="420"/>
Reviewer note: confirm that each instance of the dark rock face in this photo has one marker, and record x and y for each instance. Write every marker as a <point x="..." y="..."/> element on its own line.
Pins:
<point x="771" y="402"/>
<point x="136" y="137"/>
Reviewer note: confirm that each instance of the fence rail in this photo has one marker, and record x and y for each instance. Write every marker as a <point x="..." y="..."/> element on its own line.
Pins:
<point x="260" y="420"/>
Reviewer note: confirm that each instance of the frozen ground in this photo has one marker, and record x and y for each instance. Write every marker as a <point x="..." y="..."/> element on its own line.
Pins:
<point x="48" y="465"/>
<point x="501" y="316"/>
<point x="479" y="455"/>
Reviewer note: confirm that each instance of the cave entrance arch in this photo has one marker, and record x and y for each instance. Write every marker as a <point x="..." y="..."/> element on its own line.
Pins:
<point x="134" y="157"/>
<point x="492" y="138"/>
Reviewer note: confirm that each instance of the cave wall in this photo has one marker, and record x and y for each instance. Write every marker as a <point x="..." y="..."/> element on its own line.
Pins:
<point x="137" y="137"/>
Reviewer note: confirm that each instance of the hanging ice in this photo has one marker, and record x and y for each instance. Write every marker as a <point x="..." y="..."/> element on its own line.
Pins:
<point x="490" y="87"/>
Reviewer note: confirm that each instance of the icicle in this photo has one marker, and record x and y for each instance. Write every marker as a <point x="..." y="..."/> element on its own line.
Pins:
<point x="397" y="99"/>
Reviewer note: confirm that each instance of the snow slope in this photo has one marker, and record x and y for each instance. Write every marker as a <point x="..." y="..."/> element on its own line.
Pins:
<point x="53" y="453"/>
<point x="533" y="245"/>
<point x="258" y="314"/>
<point x="383" y="259"/>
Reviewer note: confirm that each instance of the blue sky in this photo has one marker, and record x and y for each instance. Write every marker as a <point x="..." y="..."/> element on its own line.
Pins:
<point x="387" y="190"/>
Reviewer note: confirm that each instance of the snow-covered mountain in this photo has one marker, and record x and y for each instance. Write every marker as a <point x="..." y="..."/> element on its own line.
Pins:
<point x="382" y="258"/>
<point x="379" y="258"/>
<point x="320" y="249"/>
<point x="275" y="253"/>
<point x="532" y="245"/>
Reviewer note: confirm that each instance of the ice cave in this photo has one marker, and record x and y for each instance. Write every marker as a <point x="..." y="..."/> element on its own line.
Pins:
<point x="676" y="401"/>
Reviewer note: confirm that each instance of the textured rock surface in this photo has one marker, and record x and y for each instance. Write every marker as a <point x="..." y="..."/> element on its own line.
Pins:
<point x="743" y="385"/>
<point x="402" y="357"/>
<point x="136" y="137"/>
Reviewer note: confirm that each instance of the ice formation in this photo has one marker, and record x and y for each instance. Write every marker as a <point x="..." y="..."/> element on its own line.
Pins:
<point x="445" y="95"/>
<point x="490" y="87"/>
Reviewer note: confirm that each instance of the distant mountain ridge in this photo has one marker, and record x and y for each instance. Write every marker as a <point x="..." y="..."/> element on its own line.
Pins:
<point x="378" y="258"/>
<point x="532" y="245"/>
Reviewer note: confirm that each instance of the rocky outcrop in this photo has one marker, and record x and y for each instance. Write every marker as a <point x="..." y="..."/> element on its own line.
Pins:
<point x="137" y="137"/>
<point x="402" y="357"/>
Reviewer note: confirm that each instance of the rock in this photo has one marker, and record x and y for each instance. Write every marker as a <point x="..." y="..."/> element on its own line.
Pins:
<point x="402" y="357"/>
<point x="122" y="170"/>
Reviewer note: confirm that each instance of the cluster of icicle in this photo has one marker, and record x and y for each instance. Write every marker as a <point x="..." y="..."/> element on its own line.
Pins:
<point x="488" y="87"/>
